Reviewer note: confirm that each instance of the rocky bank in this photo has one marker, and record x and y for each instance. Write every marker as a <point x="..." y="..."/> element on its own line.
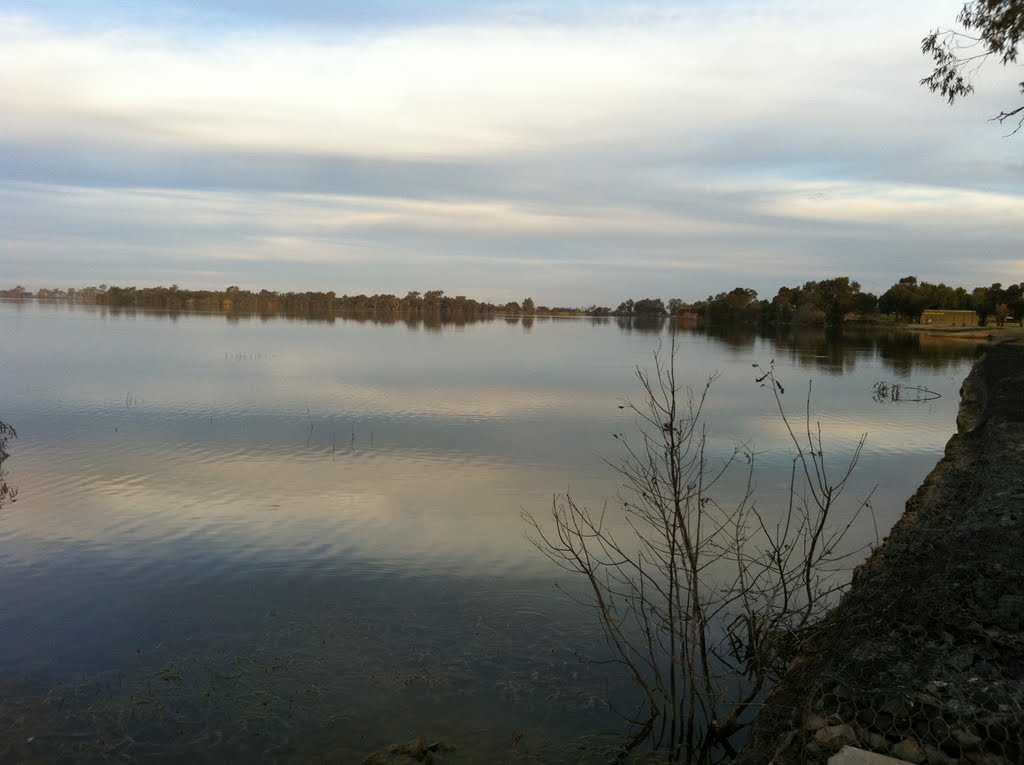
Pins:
<point x="923" y="659"/>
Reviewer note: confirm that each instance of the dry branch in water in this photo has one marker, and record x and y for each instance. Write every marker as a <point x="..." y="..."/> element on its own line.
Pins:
<point x="702" y="602"/>
<point x="896" y="392"/>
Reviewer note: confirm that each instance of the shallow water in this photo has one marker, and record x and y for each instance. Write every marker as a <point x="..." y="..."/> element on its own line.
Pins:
<point x="246" y="539"/>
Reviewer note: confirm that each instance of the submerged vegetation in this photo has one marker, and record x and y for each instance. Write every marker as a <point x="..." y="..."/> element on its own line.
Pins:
<point x="896" y="392"/>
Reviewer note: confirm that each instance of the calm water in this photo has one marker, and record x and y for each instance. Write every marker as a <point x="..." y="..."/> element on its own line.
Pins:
<point x="272" y="540"/>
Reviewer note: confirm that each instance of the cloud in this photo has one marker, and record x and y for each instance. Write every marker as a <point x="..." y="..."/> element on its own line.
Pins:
<point x="645" y="147"/>
<point x="451" y="90"/>
<point x="776" y="232"/>
<point x="837" y="202"/>
<point x="438" y="92"/>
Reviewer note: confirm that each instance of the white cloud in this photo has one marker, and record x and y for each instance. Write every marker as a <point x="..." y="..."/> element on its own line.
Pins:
<point x="908" y="206"/>
<point x="446" y="91"/>
<point x="725" y="143"/>
<point x="464" y="90"/>
<point x="279" y="218"/>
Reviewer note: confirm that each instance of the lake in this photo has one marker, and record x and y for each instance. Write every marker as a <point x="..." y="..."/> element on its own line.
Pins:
<point x="282" y="540"/>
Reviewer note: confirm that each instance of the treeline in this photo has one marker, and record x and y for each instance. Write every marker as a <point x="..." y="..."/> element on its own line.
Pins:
<point x="826" y="302"/>
<point x="832" y="301"/>
<point x="234" y="300"/>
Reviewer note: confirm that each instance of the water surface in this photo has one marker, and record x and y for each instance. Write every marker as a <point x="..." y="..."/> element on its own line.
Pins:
<point x="270" y="539"/>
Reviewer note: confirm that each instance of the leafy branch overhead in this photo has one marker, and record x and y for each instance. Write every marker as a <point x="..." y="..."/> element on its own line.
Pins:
<point x="992" y="29"/>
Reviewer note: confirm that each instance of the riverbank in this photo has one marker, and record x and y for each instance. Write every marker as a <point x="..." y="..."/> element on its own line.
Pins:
<point x="992" y="334"/>
<point x="923" y="658"/>
<point x="988" y="333"/>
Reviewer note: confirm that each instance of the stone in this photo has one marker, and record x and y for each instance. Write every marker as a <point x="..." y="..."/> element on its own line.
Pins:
<point x="965" y="739"/>
<point x="849" y="755"/>
<point x="1011" y="611"/>
<point x="843" y="693"/>
<point x="834" y="737"/>
<point x="909" y="750"/>
<point x="962" y="659"/>
<point x="986" y="758"/>
<point x="899" y="707"/>
<point x="416" y="751"/>
<point x="935" y="756"/>
<point x="814" y="721"/>
<point x="876" y="741"/>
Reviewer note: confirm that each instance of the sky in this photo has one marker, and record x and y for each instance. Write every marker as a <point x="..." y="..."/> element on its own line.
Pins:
<point x="576" y="152"/>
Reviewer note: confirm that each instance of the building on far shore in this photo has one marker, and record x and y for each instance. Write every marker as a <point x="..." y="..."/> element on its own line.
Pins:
<point x="955" y="318"/>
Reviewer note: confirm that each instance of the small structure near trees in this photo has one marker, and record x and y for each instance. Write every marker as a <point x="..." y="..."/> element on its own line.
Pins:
<point x="952" y="318"/>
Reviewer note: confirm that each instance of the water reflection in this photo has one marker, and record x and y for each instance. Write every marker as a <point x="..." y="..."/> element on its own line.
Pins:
<point x="649" y="325"/>
<point x="817" y="349"/>
<point x="808" y="347"/>
<point x="212" y="493"/>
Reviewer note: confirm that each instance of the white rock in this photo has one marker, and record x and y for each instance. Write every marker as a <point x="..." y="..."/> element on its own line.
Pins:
<point x="849" y="755"/>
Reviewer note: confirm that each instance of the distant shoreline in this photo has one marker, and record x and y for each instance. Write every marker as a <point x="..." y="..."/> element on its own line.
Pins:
<point x="486" y="312"/>
<point x="988" y="333"/>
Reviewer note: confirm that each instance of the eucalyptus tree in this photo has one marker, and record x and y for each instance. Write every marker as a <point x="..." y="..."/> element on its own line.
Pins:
<point x="992" y="29"/>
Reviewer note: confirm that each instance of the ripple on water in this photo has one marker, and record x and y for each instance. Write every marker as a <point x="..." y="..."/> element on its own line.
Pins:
<point x="353" y="504"/>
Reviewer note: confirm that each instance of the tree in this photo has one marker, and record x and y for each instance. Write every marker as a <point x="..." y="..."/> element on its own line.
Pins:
<point x="739" y="304"/>
<point x="785" y="304"/>
<point x="864" y="304"/>
<point x="982" y="303"/>
<point x="625" y="308"/>
<point x="649" y="307"/>
<point x="18" y="293"/>
<point x="1015" y="302"/>
<point x="704" y="605"/>
<point x="528" y="306"/>
<point x="834" y="297"/>
<point x="412" y="300"/>
<point x="985" y="301"/>
<point x="907" y="299"/>
<point x="432" y="300"/>
<point x="993" y="29"/>
<point x="1002" y="312"/>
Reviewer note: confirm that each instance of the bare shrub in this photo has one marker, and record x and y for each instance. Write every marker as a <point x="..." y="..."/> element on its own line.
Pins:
<point x="703" y="603"/>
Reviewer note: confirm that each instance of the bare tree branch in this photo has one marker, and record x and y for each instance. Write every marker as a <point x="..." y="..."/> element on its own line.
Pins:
<point x="702" y="602"/>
